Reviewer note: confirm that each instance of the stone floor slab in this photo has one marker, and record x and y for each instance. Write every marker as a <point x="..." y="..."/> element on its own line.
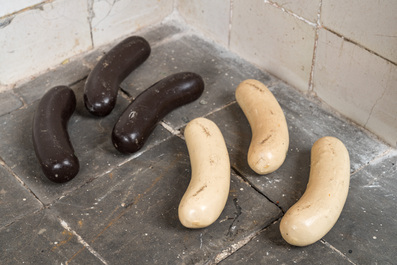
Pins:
<point x="122" y="209"/>
<point x="15" y="200"/>
<point x="269" y="247"/>
<point x="221" y="73"/>
<point x="307" y="122"/>
<point x="131" y="216"/>
<point x="40" y="238"/>
<point x="366" y="231"/>
<point x="9" y="102"/>
<point x="90" y="136"/>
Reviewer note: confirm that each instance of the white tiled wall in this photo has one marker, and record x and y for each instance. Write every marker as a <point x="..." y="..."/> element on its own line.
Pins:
<point x="357" y="83"/>
<point x="274" y="40"/>
<point x="39" y="34"/>
<point x="114" y="19"/>
<point x="9" y="7"/>
<point x="345" y="52"/>
<point x="372" y="24"/>
<point x="342" y="51"/>
<point x="210" y="17"/>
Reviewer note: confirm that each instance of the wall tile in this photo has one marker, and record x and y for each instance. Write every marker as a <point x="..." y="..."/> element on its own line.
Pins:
<point x="210" y="17"/>
<point x="358" y="84"/>
<point x="114" y="19"/>
<point x="308" y="9"/>
<point x="9" y="7"/>
<point x="372" y="24"/>
<point x="41" y="38"/>
<point x="274" y="40"/>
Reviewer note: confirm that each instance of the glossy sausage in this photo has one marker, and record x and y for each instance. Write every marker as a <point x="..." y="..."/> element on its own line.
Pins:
<point x="141" y="117"/>
<point x="50" y="136"/>
<point x="102" y="84"/>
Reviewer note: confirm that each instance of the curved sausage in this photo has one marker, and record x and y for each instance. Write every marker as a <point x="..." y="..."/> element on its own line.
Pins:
<point x="208" y="190"/>
<point x="141" y="117"/>
<point x="102" y="84"/>
<point x="270" y="139"/>
<point x="50" y="136"/>
<point x="316" y="212"/>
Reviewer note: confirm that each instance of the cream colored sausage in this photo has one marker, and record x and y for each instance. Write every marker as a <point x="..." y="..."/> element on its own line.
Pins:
<point x="208" y="189"/>
<point x="270" y="139"/>
<point x="320" y="206"/>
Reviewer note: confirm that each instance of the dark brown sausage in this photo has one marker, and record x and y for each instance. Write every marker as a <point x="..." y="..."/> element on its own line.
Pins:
<point x="102" y="85"/>
<point x="142" y="115"/>
<point x="50" y="136"/>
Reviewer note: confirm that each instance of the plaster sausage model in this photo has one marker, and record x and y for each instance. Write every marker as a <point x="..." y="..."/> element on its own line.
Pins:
<point x="270" y="139"/>
<point x="319" y="208"/>
<point x="208" y="190"/>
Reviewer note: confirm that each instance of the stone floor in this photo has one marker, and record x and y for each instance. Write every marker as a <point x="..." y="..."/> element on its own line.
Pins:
<point x="122" y="209"/>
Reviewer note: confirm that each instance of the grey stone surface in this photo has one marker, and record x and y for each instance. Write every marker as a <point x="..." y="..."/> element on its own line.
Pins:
<point x="366" y="231"/>
<point x="122" y="209"/>
<point x="131" y="215"/>
<point x="65" y="74"/>
<point x="15" y="200"/>
<point x="269" y="247"/>
<point x="40" y="238"/>
<point x="221" y="73"/>
<point x="9" y="102"/>
<point x="77" y="68"/>
<point x="90" y="136"/>
<point x="307" y="122"/>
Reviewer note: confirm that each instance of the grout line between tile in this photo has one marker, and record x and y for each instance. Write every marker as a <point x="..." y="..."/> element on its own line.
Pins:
<point x="8" y="168"/>
<point x="91" y="15"/>
<point x="36" y="6"/>
<point x="173" y="131"/>
<point x="220" y="108"/>
<point x="66" y="226"/>
<point x="230" y="24"/>
<point x="240" y="175"/>
<point x="380" y="156"/>
<point x="318" y="26"/>
<point x="289" y="12"/>
<point x="337" y="251"/>
<point x="20" y="217"/>
<point x="233" y="248"/>
<point x="359" y="45"/>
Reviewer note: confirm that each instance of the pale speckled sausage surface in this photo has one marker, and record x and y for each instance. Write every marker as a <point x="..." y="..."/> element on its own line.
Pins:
<point x="270" y="139"/>
<point x="319" y="208"/>
<point x="208" y="190"/>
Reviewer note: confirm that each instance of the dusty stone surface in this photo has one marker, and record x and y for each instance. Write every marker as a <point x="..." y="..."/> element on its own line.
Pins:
<point x="122" y="209"/>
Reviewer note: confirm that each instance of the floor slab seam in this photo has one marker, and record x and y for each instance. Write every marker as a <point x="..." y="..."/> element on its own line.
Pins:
<point x="175" y="132"/>
<point x="139" y="153"/>
<point x="66" y="226"/>
<point x="379" y="157"/>
<point x="241" y="176"/>
<point x="222" y="256"/>
<point x="17" y="219"/>
<point x="23" y="184"/>
<point x="324" y="242"/>
<point x="225" y="253"/>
